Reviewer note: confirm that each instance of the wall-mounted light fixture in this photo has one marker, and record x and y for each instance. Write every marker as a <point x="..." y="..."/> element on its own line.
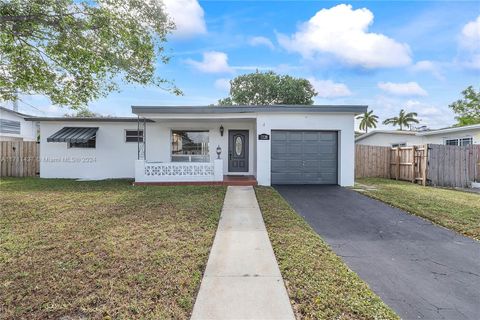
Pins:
<point x="221" y="130"/>
<point x="219" y="151"/>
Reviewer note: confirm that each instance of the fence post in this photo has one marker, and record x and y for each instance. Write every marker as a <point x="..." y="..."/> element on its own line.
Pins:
<point x="414" y="161"/>
<point x="398" y="164"/>
<point x="425" y="165"/>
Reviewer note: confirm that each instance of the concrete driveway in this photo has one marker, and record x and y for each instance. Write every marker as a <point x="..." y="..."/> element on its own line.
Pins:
<point x="419" y="269"/>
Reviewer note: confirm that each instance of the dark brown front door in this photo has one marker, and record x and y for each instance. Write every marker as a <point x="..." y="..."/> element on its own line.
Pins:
<point x="238" y="150"/>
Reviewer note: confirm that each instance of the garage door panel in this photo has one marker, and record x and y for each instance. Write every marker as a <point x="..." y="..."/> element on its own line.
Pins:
<point x="286" y="178"/>
<point x="328" y="136"/>
<point x="310" y="136"/>
<point x="279" y="166"/>
<point x="304" y="157"/>
<point x="295" y="136"/>
<point x="279" y="136"/>
<point x="279" y="149"/>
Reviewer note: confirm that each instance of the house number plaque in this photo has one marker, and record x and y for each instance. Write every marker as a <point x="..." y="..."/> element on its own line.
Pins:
<point x="263" y="136"/>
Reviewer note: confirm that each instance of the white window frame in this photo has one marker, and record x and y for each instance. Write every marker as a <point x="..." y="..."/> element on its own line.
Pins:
<point x="190" y="156"/>
<point x="461" y="140"/>
<point x="399" y="144"/>
<point x="445" y="142"/>
<point x="125" y="135"/>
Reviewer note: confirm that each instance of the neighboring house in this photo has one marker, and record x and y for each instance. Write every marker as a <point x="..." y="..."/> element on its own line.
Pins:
<point x="14" y="127"/>
<point x="458" y="136"/>
<point x="275" y="144"/>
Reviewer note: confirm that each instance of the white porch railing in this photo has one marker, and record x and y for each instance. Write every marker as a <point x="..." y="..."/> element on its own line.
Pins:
<point x="178" y="171"/>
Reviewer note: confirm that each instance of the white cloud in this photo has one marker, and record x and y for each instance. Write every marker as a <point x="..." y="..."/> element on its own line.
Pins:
<point x="428" y="66"/>
<point x="470" y="37"/>
<point x="470" y="44"/>
<point x="430" y="115"/>
<point x="402" y="89"/>
<point x="222" y="84"/>
<point x="261" y="41"/>
<point x="343" y="33"/>
<point x="213" y="62"/>
<point x="329" y="89"/>
<point x="188" y="16"/>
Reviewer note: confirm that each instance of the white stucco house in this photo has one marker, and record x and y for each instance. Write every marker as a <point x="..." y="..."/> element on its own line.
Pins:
<point x="273" y="144"/>
<point x="458" y="136"/>
<point x="14" y="127"/>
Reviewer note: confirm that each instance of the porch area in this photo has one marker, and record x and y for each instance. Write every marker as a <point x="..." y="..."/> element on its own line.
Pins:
<point x="188" y="173"/>
<point x="196" y="152"/>
<point x="228" y="180"/>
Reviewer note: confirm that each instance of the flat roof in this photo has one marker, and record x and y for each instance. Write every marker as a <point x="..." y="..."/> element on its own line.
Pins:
<point x="23" y="115"/>
<point x="448" y="130"/>
<point x="420" y="133"/>
<point x="249" y="109"/>
<point x="87" y="119"/>
<point x="398" y="132"/>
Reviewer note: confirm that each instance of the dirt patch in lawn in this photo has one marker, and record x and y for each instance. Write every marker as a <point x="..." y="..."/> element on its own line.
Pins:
<point x="320" y="285"/>
<point x="102" y="250"/>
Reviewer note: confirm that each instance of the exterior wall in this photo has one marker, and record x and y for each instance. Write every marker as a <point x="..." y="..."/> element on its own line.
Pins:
<point x="440" y="138"/>
<point x="112" y="157"/>
<point x="343" y="123"/>
<point x="115" y="158"/>
<point x="159" y="139"/>
<point x="28" y="129"/>
<point x="387" y="139"/>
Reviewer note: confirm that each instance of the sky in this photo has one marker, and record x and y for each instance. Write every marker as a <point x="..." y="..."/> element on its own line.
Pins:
<point x="413" y="55"/>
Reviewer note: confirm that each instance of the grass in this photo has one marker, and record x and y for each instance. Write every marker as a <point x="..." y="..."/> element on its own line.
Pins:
<point x="320" y="285"/>
<point x="456" y="210"/>
<point x="103" y="250"/>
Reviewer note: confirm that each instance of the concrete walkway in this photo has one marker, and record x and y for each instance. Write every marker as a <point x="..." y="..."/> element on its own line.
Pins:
<point x="242" y="279"/>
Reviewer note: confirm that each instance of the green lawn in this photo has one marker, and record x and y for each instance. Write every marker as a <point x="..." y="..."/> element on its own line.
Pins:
<point x="103" y="250"/>
<point x="456" y="210"/>
<point x="320" y="285"/>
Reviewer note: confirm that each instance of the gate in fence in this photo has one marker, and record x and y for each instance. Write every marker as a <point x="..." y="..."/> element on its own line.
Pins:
<point x="437" y="165"/>
<point x="19" y="158"/>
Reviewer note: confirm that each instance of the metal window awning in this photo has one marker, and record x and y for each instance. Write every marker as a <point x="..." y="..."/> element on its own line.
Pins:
<point x="73" y="134"/>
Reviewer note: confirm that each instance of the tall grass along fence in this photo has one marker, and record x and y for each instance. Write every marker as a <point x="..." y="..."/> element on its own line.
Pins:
<point x="19" y="158"/>
<point x="437" y="165"/>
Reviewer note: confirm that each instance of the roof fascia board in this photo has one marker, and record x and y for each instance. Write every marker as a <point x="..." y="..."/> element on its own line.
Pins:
<point x="246" y="109"/>
<point x="449" y="130"/>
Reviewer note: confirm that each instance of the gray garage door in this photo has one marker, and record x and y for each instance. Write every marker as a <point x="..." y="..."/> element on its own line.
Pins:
<point x="304" y="157"/>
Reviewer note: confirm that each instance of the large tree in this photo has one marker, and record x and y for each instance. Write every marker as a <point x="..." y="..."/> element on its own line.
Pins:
<point x="468" y="108"/>
<point x="367" y="120"/>
<point x="268" y="88"/>
<point x="76" y="51"/>
<point x="404" y="119"/>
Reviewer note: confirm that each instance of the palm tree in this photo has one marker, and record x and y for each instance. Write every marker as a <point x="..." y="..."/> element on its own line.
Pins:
<point x="403" y="119"/>
<point x="368" y="120"/>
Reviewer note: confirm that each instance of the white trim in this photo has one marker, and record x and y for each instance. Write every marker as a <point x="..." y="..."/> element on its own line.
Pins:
<point x="396" y="132"/>
<point x="449" y="130"/>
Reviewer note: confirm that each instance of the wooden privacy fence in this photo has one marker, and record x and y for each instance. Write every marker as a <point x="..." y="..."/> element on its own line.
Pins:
<point x="437" y="165"/>
<point x="403" y="163"/>
<point x="453" y="166"/>
<point x="372" y="161"/>
<point x="19" y="158"/>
